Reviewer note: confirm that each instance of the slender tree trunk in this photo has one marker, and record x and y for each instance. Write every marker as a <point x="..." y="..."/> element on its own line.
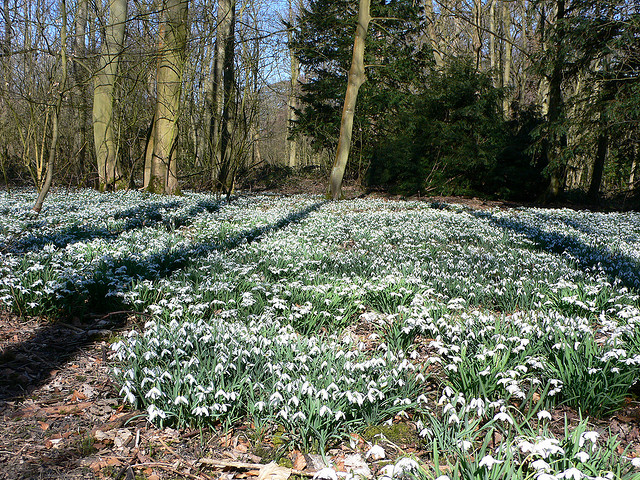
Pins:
<point x="508" y="57"/>
<point x="634" y="166"/>
<point x="80" y="79"/>
<point x="224" y="37"/>
<point x="56" y="110"/>
<point x="430" y="22"/>
<point x="227" y="171"/>
<point x="477" y="32"/>
<point x="556" y="141"/>
<point x="356" y="78"/>
<point x="292" y="99"/>
<point x="109" y="169"/>
<point x="493" y="61"/>
<point x="598" y="165"/>
<point x="171" y="49"/>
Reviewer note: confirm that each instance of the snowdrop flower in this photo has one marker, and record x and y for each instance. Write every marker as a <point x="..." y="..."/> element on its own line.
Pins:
<point x="154" y="412"/>
<point x="591" y="436"/>
<point x="541" y="466"/>
<point x="405" y="467"/>
<point x="326" y="474"/>
<point x="543" y="414"/>
<point x="503" y="417"/>
<point x="572" y="473"/>
<point x="582" y="456"/>
<point x="636" y="462"/>
<point x="376" y="453"/>
<point x="488" y="462"/>
<point x="180" y="400"/>
<point x="153" y="393"/>
<point x="443" y="477"/>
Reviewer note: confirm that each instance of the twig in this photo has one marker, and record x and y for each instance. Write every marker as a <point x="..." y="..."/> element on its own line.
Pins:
<point x="167" y="467"/>
<point x="182" y="459"/>
<point x="247" y="466"/>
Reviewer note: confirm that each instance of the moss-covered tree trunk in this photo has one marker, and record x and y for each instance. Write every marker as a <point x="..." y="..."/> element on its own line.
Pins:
<point x="356" y="78"/>
<point x="162" y="177"/>
<point x="109" y="168"/>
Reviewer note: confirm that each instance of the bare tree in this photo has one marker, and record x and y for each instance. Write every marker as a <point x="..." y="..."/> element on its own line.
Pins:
<point x="355" y="80"/>
<point x="163" y="177"/>
<point x="109" y="169"/>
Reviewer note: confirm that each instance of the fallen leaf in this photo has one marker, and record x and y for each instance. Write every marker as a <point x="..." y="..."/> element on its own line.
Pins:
<point x="242" y="448"/>
<point x="76" y="395"/>
<point x="154" y="477"/>
<point x="44" y="426"/>
<point x="273" y="471"/>
<point x="299" y="462"/>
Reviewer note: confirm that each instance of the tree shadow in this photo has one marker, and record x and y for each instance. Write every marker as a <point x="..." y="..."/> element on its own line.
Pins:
<point x="31" y="362"/>
<point x="144" y="215"/>
<point x="617" y="266"/>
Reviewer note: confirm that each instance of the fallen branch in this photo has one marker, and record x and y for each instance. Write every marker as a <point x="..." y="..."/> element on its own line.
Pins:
<point x="247" y="466"/>
<point x="183" y="460"/>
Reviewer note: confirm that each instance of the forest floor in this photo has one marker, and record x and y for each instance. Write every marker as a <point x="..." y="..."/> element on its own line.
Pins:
<point x="61" y="418"/>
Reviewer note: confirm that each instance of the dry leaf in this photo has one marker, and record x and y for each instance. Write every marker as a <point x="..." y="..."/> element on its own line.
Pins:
<point x="154" y="477"/>
<point x="44" y="426"/>
<point x="242" y="448"/>
<point x="76" y="395"/>
<point x="273" y="471"/>
<point x="299" y="462"/>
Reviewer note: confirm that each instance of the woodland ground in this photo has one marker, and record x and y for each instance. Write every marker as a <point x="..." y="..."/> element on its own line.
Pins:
<point x="62" y="416"/>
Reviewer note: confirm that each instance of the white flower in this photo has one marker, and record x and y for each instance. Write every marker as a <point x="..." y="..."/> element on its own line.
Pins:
<point x="503" y="417"/>
<point x="180" y="400"/>
<point x="376" y="453"/>
<point x="582" y="456"/>
<point x="326" y="474"/>
<point x="153" y="393"/>
<point x="573" y="473"/>
<point x="543" y="414"/>
<point x="591" y="435"/>
<point x="154" y="412"/>
<point x="443" y="477"/>
<point x="635" y="462"/>
<point x="541" y="465"/>
<point x="488" y="461"/>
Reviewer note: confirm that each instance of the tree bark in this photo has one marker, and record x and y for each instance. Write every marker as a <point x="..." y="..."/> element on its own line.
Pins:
<point x="292" y="99"/>
<point x="556" y="141"/>
<point x="171" y="49"/>
<point x="430" y="22"/>
<point x="109" y="169"/>
<point x="80" y="78"/>
<point x="356" y="78"/>
<point x="598" y="165"/>
<point x="56" y="111"/>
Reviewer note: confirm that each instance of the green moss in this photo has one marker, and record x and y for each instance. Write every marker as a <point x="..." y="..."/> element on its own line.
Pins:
<point x="285" y="462"/>
<point x="399" y="433"/>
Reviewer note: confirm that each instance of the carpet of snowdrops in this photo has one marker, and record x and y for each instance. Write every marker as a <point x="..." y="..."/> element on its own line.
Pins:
<point x="320" y="318"/>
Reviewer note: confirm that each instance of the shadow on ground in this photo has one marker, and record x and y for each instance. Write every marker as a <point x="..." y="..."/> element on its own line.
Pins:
<point x="29" y="364"/>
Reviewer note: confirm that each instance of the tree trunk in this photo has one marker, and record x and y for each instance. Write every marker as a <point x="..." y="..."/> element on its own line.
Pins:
<point x="80" y="79"/>
<point x="430" y="22"/>
<point x="556" y="141"/>
<point x="224" y="37"/>
<point x="355" y="80"/>
<point x="598" y="165"/>
<point x="56" y="110"/>
<point x="171" y="49"/>
<point x="109" y="169"/>
<point x="508" y="57"/>
<point x="292" y="99"/>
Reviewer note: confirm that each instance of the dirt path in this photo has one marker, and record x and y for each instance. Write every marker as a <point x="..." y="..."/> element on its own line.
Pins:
<point x="61" y="416"/>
